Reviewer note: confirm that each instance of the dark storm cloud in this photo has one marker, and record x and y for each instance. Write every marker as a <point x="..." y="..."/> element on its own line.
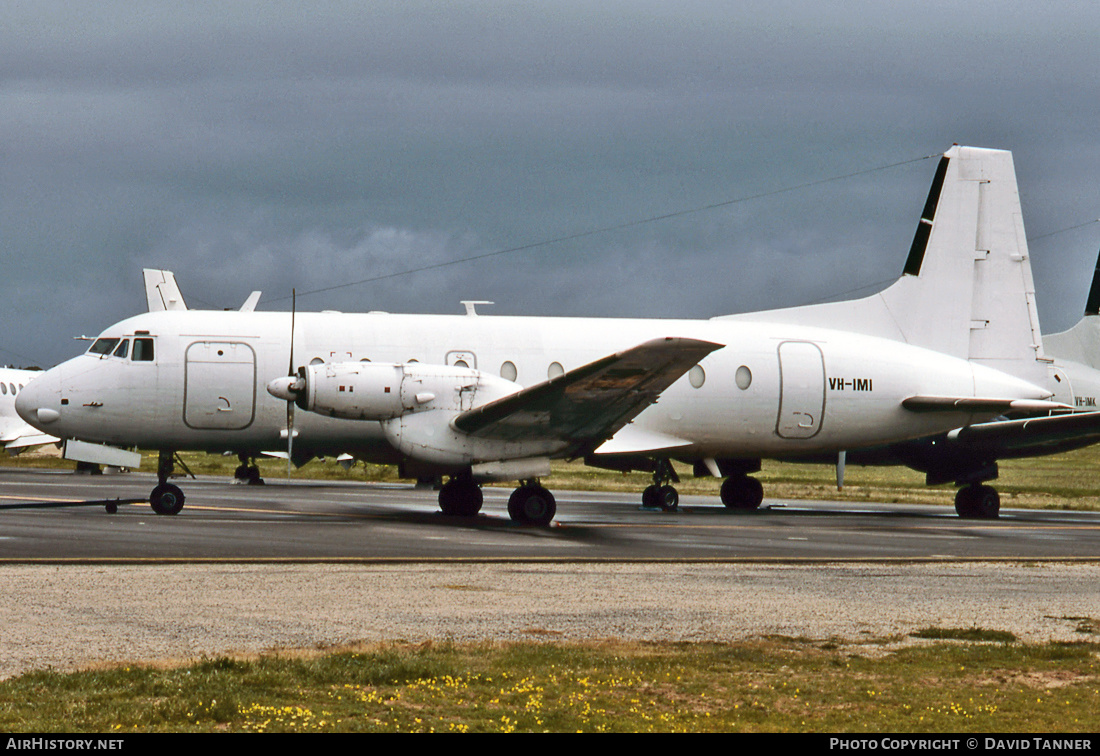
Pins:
<point x="266" y="145"/>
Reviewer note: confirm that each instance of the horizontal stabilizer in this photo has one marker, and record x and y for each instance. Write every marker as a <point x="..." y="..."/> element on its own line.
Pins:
<point x="978" y="404"/>
<point x="1053" y="430"/>
<point x="589" y="404"/>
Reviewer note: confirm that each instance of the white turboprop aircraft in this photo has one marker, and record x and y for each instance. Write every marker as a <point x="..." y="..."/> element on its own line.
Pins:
<point x="496" y="398"/>
<point x="15" y="434"/>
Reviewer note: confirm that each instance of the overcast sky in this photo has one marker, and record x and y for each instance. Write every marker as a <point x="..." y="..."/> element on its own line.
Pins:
<point x="271" y="145"/>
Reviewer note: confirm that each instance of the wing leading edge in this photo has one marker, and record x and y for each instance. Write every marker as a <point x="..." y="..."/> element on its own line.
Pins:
<point x="587" y="405"/>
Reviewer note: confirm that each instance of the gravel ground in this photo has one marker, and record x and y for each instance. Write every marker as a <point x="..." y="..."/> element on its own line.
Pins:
<point x="67" y="617"/>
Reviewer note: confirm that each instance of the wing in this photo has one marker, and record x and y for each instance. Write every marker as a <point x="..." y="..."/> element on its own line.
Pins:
<point x="1029" y="435"/>
<point x="30" y="438"/>
<point x="588" y="405"/>
<point x="978" y="404"/>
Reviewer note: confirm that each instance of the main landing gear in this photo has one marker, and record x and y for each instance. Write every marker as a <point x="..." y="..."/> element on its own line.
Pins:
<point x="530" y="504"/>
<point x="978" y="502"/>
<point x="166" y="498"/>
<point x="661" y="495"/>
<point x="742" y="492"/>
<point x="460" y="496"/>
<point x="247" y="471"/>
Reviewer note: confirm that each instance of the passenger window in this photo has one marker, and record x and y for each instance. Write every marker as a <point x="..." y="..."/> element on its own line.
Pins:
<point x="143" y="350"/>
<point x="12" y="387"/>
<point x="103" y="346"/>
<point x="123" y="349"/>
<point x="3" y="388"/>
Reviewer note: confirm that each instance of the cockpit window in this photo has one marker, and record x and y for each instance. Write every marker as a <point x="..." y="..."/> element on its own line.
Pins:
<point x="123" y="349"/>
<point x="103" y="346"/>
<point x="143" y="350"/>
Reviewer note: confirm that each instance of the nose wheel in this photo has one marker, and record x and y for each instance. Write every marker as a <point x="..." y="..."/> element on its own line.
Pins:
<point x="166" y="498"/>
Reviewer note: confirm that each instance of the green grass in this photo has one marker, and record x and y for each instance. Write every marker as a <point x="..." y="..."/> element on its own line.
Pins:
<point x="965" y="634"/>
<point x="769" y="685"/>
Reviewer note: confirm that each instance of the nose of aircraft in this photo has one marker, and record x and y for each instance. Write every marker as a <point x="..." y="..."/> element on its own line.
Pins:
<point x="39" y="403"/>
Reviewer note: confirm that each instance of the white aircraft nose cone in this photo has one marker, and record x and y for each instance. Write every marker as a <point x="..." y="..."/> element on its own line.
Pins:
<point x="47" y="415"/>
<point x="38" y="402"/>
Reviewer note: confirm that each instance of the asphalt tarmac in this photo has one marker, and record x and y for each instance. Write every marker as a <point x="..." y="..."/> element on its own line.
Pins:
<point x="59" y="515"/>
<point x="260" y="569"/>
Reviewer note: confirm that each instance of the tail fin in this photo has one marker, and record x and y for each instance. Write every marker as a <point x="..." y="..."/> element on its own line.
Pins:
<point x="161" y="290"/>
<point x="966" y="289"/>
<point x="1081" y="343"/>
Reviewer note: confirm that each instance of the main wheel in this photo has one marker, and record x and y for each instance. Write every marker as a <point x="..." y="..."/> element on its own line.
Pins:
<point x="988" y="503"/>
<point x="532" y="504"/>
<point x="668" y="498"/>
<point x="978" y="503"/>
<point x="742" y="492"/>
<point x="166" y="499"/>
<point x="460" y="498"/>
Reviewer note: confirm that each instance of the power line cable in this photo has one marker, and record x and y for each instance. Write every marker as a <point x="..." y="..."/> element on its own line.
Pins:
<point x="608" y="229"/>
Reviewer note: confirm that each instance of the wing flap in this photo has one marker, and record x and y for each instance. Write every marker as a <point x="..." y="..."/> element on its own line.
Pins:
<point x="589" y="404"/>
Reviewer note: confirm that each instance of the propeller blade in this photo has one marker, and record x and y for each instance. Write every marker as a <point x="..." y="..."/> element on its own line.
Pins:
<point x="290" y="373"/>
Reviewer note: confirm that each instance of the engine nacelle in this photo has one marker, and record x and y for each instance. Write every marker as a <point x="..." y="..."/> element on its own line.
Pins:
<point x="382" y="391"/>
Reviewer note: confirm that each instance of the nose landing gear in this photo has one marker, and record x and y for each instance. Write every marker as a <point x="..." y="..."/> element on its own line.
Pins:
<point x="166" y="498"/>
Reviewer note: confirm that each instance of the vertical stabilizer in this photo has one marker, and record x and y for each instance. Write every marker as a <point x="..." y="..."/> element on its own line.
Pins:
<point x="966" y="289"/>
<point x="1081" y="343"/>
<point x="161" y="290"/>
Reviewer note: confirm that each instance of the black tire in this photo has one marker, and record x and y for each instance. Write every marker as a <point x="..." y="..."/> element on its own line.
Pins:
<point x="977" y="502"/>
<point x="987" y="503"/>
<point x="668" y="498"/>
<point x="651" y="497"/>
<point x="964" y="503"/>
<point x="166" y="499"/>
<point x="460" y="498"/>
<point x="742" y="492"/>
<point x="532" y="505"/>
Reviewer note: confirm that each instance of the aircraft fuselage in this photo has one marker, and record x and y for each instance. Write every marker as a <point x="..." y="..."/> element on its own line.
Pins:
<point x="197" y="380"/>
